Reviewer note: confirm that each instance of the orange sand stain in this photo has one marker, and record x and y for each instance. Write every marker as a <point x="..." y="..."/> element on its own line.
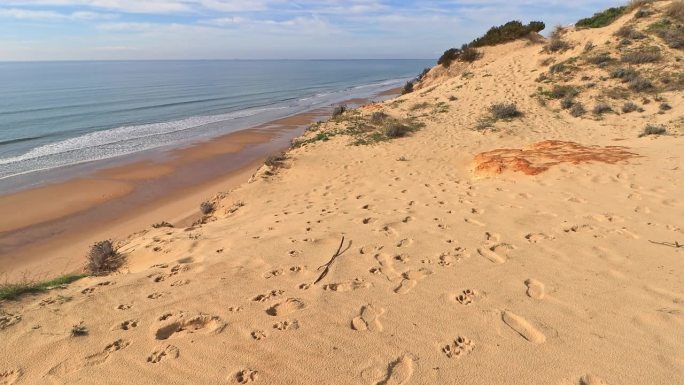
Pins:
<point x="539" y="157"/>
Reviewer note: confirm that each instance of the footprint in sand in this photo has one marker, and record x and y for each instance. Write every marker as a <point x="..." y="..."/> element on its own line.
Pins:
<point x="387" y="266"/>
<point x="273" y="273"/>
<point x="258" y="335"/>
<point x="157" y="295"/>
<point x="459" y="348"/>
<point x="286" y="307"/>
<point x="590" y="379"/>
<point x="341" y="287"/>
<point x="535" y="289"/>
<point x="410" y="280"/>
<point x="537" y="237"/>
<point x="467" y="297"/>
<point x="123" y="306"/>
<point x="246" y="376"/>
<point x="180" y="324"/>
<point x="126" y="325"/>
<point x="286" y="325"/>
<point x="7" y="319"/>
<point x="67" y="367"/>
<point x="268" y="296"/>
<point x="368" y="320"/>
<point x="524" y="328"/>
<point x="161" y="353"/>
<point x="10" y="377"/>
<point x="496" y="253"/>
<point x="399" y="372"/>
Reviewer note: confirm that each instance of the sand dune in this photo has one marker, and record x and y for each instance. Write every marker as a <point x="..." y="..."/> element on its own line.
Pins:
<point x="450" y="272"/>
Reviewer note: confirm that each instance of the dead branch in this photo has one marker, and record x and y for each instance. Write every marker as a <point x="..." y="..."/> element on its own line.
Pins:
<point x="326" y="267"/>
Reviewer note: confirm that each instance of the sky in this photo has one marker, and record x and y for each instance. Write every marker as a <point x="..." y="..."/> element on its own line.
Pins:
<point x="261" y="29"/>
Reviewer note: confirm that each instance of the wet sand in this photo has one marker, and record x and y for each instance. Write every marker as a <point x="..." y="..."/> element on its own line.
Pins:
<point x="57" y="222"/>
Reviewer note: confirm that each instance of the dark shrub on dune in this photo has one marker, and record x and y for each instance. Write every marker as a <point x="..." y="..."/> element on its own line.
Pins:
<point x="510" y="31"/>
<point x="504" y="111"/>
<point x="601" y="19"/>
<point x="653" y="130"/>
<point x="207" y="207"/>
<point x="338" y="111"/>
<point x="408" y="88"/>
<point x="103" y="258"/>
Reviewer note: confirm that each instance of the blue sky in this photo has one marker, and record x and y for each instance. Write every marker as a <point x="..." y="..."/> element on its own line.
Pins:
<point x="261" y="29"/>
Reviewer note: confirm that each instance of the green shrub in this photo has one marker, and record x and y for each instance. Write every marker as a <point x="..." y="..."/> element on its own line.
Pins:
<point x="448" y="57"/>
<point x="14" y="290"/>
<point x="601" y="19"/>
<point x="510" y="31"/>
<point x="397" y="131"/>
<point x="378" y="117"/>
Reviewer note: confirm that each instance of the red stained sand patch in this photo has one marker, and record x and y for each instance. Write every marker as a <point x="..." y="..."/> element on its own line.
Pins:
<point x="541" y="156"/>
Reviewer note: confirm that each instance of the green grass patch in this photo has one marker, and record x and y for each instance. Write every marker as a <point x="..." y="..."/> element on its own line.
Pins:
<point x="14" y="290"/>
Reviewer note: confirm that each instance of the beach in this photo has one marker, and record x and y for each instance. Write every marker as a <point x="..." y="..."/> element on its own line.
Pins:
<point x="472" y="231"/>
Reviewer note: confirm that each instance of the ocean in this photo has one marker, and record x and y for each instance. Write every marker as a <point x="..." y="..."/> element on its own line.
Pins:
<point x="59" y="114"/>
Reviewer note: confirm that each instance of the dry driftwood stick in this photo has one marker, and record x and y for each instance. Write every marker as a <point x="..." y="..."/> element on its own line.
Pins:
<point x="326" y="267"/>
<point x="676" y="244"/>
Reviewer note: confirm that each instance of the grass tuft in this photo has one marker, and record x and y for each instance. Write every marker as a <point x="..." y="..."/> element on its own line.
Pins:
<point x="14" y="290"/>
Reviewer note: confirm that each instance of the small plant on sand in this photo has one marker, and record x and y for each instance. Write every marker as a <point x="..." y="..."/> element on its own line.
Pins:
<point x="13" y="290"/>
<point x="567" y="103"/>
<point x="628" y="32"/>
<point x="601" y="108"/>
<point x="408" y="88"/>
<point x="676" y="10"/>
<point x="419" y="106"/>
<point x="103" y="258"/>
<point x="629" y="107"/>
<point x="276" y="161"/>
<point x="600" y="59"/>
<point x="624" y="74"/>
<point x="653" y="130"/>
<point x="601" y="19"/>
<point x="396" y="131"/>
<point x="504" y="111"/>
<point x="557" y="43"/>
<point x="561" y="91"/>
<point x="378" y="117"/>
<point x="469" y="54"/>
<point x="640" y="84"/>
<point x="577" y="110"/>
<point x="642" y="55"/>
<point x="339" y="111"/>
<point x="161" y="224"/>
<point x="589" y="46"/>
<point x="207" y="207"/>
<point x="79" y="330"/>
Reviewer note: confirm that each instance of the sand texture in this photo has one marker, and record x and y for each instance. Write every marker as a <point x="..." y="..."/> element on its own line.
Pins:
<point x="540" y="250"/>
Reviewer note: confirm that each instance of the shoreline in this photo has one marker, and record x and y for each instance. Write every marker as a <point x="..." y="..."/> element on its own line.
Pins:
<point x="122" y="199"/>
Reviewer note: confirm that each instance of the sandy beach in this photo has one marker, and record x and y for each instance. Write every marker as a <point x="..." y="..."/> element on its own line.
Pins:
<point x="416" y="246"/>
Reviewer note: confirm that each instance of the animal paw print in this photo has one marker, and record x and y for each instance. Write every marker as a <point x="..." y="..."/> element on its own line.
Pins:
<point x="466" y="297"/>
<point x="126" y="325"/>
<point x="286" y="325"/>
<point x="273" y="273"/>
<point x="459" y="348"/>
<point x="160" y="354"/>
<point x="258" y="335"/>
<point x="246" y="376"/>
<point x="268" y="296"/>
<point x="123" y="306"/>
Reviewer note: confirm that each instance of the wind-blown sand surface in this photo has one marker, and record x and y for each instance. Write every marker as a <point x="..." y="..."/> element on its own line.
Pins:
<point x="457" y="265"/>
